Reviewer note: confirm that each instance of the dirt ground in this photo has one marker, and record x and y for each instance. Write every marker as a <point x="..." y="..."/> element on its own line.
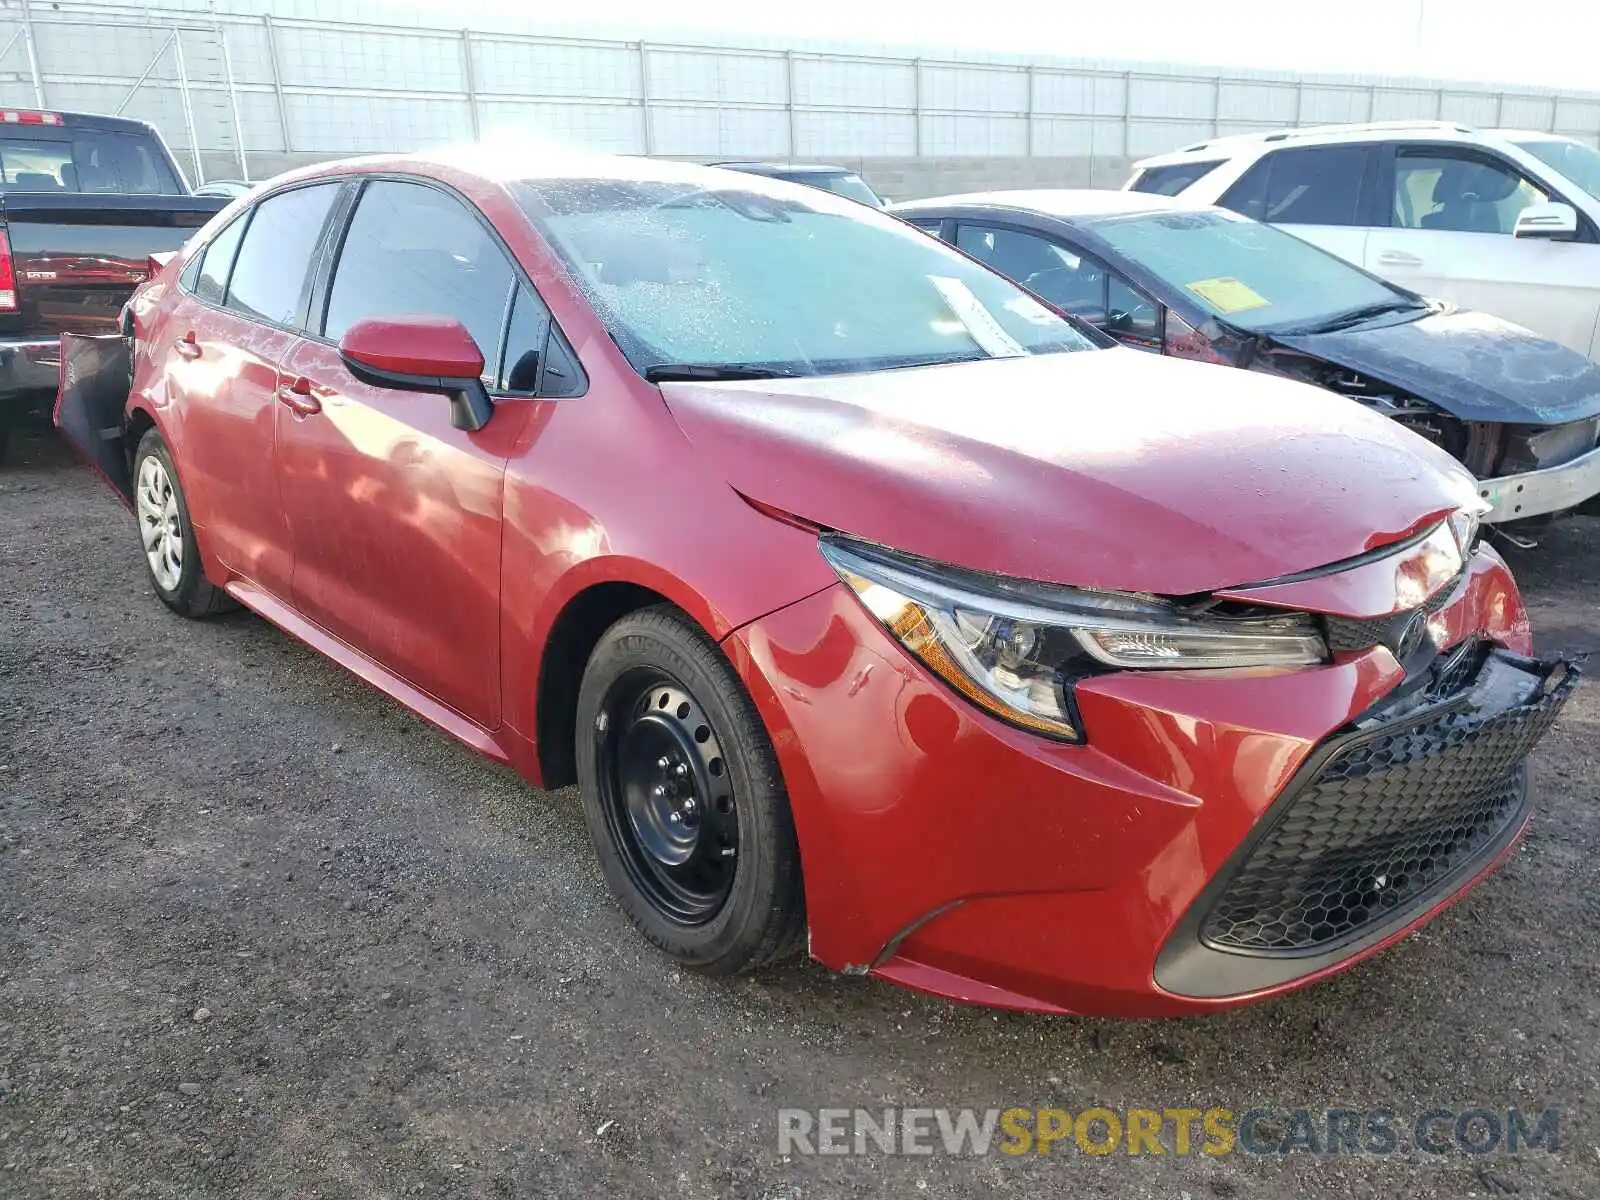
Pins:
<point x="264" y="934"/>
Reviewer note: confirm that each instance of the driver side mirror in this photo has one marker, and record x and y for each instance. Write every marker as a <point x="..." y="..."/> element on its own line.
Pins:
<point x="421" y="354"/>
<point x="1551" y="221"/>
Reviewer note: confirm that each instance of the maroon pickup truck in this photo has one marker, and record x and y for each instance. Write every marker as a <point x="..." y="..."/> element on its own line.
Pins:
<point x="84" y="202"/>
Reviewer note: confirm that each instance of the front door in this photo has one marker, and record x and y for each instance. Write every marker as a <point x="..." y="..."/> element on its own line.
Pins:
<point x="396" y="514"/>
<point x="1451" y="236"/>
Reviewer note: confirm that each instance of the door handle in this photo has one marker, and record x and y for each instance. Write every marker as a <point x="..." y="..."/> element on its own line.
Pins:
<point x="186" y="346"/>
<point x="298" y="397"/>
<point x="1398" y="258"/>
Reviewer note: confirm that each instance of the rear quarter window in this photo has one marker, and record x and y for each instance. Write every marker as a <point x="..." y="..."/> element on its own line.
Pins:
<point x="1173" y="179"/>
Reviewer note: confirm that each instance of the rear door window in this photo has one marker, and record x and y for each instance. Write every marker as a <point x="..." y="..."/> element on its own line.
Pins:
<point x="413" y="249"/>
<point x="1321" y="185"/>
<point x="269" y="272"/>
<point x="1174" y="178"/>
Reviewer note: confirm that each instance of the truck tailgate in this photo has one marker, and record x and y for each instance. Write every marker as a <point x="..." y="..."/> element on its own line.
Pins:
<point x="77" y="257"/>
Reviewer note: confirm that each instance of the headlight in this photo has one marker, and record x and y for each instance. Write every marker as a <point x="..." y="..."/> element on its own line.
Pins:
<point x="1464" y="525"/>
<point x="1014" y="647"/>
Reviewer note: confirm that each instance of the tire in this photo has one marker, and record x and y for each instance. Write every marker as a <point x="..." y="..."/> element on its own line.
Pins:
<point x="677" y="770"/>
<point x="166" y="535"/>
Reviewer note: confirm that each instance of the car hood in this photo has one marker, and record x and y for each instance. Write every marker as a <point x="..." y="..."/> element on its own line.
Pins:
<point x="1471" y="365"/>
<point x="1110" y="468"/>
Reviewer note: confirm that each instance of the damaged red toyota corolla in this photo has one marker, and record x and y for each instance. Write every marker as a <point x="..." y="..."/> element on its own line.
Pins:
<point x="874" y="606"/>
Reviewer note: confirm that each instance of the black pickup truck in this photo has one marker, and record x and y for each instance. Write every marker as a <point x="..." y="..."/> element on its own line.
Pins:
<point x="84" y="202"/>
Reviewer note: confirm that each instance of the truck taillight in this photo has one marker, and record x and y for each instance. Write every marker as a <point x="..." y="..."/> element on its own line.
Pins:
<point x="8" y="276"/>
<point x="18" y="116"/>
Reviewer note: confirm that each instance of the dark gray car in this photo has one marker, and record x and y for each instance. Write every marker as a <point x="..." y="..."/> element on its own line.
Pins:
<point x="1522" y="412"/>
<point x="841" y="181"/>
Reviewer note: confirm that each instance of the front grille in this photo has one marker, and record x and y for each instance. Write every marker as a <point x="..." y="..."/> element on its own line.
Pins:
<point x="1348" y="635"/>
<point x="1387" y="815"/>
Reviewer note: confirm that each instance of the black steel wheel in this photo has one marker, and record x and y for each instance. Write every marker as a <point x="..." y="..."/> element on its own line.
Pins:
<point x="684" y="799"/>
<point x="668" y="800"/>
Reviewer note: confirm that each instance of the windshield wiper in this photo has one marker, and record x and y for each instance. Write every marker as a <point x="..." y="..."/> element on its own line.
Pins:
<point x="668" y="372"/>
<point x="1366" y="312"/>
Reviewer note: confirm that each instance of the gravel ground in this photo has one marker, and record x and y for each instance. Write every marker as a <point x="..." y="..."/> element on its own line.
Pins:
<point x="262" y="933"/>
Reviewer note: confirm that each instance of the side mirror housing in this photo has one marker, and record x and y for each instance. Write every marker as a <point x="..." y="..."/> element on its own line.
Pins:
<point x="421" y="354"/>
<point x="1552" y="221"/>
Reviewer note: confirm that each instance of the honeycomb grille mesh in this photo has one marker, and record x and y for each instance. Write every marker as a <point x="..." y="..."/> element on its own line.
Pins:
<point x="1348" y="634"/>
<point x="1382" y="821"/>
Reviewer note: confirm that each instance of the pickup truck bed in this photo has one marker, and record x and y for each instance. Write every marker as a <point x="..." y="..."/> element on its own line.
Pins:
<point x="85" y="201"/>
<point x="74" y="260"/>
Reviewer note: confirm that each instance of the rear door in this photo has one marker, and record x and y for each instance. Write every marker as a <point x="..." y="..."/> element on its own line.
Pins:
<point x="396" y="514"/>
<point x="241" y="311"/>
<point x="1324" y="194"/>
<point x="1447" y="232"/>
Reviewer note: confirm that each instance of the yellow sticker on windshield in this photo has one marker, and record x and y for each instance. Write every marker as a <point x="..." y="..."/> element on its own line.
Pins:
<point x="1228" y="295"/>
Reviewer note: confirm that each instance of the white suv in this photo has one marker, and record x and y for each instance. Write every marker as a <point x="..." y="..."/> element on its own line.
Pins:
<point x="1500" y="220"/>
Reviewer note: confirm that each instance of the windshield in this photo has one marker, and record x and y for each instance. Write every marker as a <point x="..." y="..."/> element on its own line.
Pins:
<point x="851" y="186"/>
<point x="780" y="282"/>
<point x="86" y="161"/>
<point x="1577" y="162"/>
<point x="1251" y="275"/>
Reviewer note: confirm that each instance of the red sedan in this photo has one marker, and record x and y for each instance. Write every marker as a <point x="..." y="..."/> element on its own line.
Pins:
<point x="876" y="608"/>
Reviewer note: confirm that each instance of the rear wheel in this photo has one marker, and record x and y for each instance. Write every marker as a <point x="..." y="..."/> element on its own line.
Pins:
<point x="166" y="535"/>
<point x="683" y="797"/>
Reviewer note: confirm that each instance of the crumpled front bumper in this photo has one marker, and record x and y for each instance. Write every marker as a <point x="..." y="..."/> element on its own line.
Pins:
<point x="1542" y="492"/>
<point x="949" y="852"/>
<point x="1385" y="821"/>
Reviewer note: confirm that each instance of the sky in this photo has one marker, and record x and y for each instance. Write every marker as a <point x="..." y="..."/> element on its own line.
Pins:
<point x="1550" y="42"/>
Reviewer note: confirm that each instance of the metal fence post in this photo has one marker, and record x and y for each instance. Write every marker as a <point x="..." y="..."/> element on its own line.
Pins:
<point x="470" y="80"/>
<point x="1216" y="106"/>
<point x="916" y="107"/>
<point x="145" y="74"/>
<point x="1032" y="83"/>
<point x="644" y="96"/>
<point x="1127" y="114"/>
<point x="1372" y="102"/>
<point x="233" y="95"/>
<point x="788" y="100"/>
<point x="1094" y="114"/>
<point x="1299" y="102"/>
<point x="33" y="54"/>
<point x="188" y="106"/>
<point x="277" y="81"/>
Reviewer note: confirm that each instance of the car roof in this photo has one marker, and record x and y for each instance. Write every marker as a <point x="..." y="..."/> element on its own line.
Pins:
<point x="513" y="159"/>
<point x="770" y="168"/>
<point x="1065" y="203"/>
<point x="1370" y="131"/>
<point x="74" y="120"/>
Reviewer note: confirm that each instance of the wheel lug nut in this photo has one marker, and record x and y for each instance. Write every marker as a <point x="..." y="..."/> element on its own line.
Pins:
<point x="663" y="762"/>
<point x="683" y="768"/>
<point x="658" y="791"/>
